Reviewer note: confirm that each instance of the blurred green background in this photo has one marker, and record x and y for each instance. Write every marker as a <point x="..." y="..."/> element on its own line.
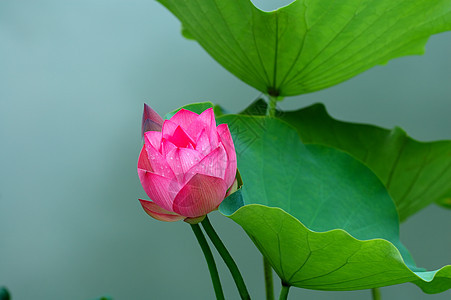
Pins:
<point x="73" y="79"/>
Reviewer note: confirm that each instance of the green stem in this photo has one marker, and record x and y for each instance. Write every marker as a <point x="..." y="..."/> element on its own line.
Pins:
<point x="210" y="261"/>
<point x="222" y="250"/>
<point x="272" y="106"/>
<point x="284" y="291"/>
<point x="376" y="292"/>
<point x="269" y="287"/>
<point x="266" y="266"/>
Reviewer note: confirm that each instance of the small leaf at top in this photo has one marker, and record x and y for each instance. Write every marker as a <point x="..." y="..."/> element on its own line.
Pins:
<point x="198" y="108"/>
<point x="309" y="45"/>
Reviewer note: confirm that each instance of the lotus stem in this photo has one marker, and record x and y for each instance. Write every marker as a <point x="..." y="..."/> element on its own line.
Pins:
<point x="376" y="292"/>
<point x="284" y="291"/>
<point x="269" y="286"/>
<point x="230" y="263"/>
<point x="210" y="261"/>
<point x="272" y="106"/>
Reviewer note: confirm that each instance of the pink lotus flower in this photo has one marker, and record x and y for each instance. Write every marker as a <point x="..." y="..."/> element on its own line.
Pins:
<point x="187" y="167"/>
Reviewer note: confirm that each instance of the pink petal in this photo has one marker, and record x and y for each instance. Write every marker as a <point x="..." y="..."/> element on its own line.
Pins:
<point x="153" y="138"/>
<point x="181" y="160"/>
<point x="201" y="195"/>
<point x="151" y="120"/>
<point x="143" y="160"/>
<point x="227" y="142"/>
<point x="203" y="143"/>
<point x="168" y="128"/>
<point x="160" y="190"/>
<point x="166" y="147"/>
<point x="214" y="164"/>
<point x="159" y="213"/>
<point x="184" y="118"/>
<point x="205" y="120"/>
<point x="157" y="161"/>
<point x="180" y="138"/>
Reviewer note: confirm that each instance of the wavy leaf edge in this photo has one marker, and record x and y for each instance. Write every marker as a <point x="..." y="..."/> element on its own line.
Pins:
<point x="425" y="277"/>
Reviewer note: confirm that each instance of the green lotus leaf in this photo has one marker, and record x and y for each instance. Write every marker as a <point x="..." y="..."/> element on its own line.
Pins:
<point x="321" y="217"/>
<point x="198" y="108"/>
<point x="310" y="44"/>
<point x="415" y="173"/>
<point x="331" y="260"/>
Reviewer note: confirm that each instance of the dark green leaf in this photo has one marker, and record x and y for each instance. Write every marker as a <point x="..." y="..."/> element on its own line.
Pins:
<point x="198" y="108"/>
<point x="415" y="173"/>
<point x="322" y="218"/>
<point x="257" y="108"/>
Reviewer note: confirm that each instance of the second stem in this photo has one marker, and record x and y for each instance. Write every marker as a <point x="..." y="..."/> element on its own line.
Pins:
<point x="227" y="258"/>
<point x="210" y="261"/>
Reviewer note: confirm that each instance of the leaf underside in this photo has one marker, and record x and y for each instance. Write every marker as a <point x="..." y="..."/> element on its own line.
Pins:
<point x="332" y="260"/>
<point x="309" y="45"/>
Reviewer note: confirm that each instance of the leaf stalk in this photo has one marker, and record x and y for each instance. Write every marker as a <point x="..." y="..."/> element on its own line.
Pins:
<point x="284" y="291"/>
<point x="272" y="106"/>
<point x="376" y="292"/>
<point x="269" y="286"/>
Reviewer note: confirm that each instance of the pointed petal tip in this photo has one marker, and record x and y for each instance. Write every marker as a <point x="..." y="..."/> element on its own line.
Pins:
<point x="143" y="160"/>
<point x="184" y="118"/>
